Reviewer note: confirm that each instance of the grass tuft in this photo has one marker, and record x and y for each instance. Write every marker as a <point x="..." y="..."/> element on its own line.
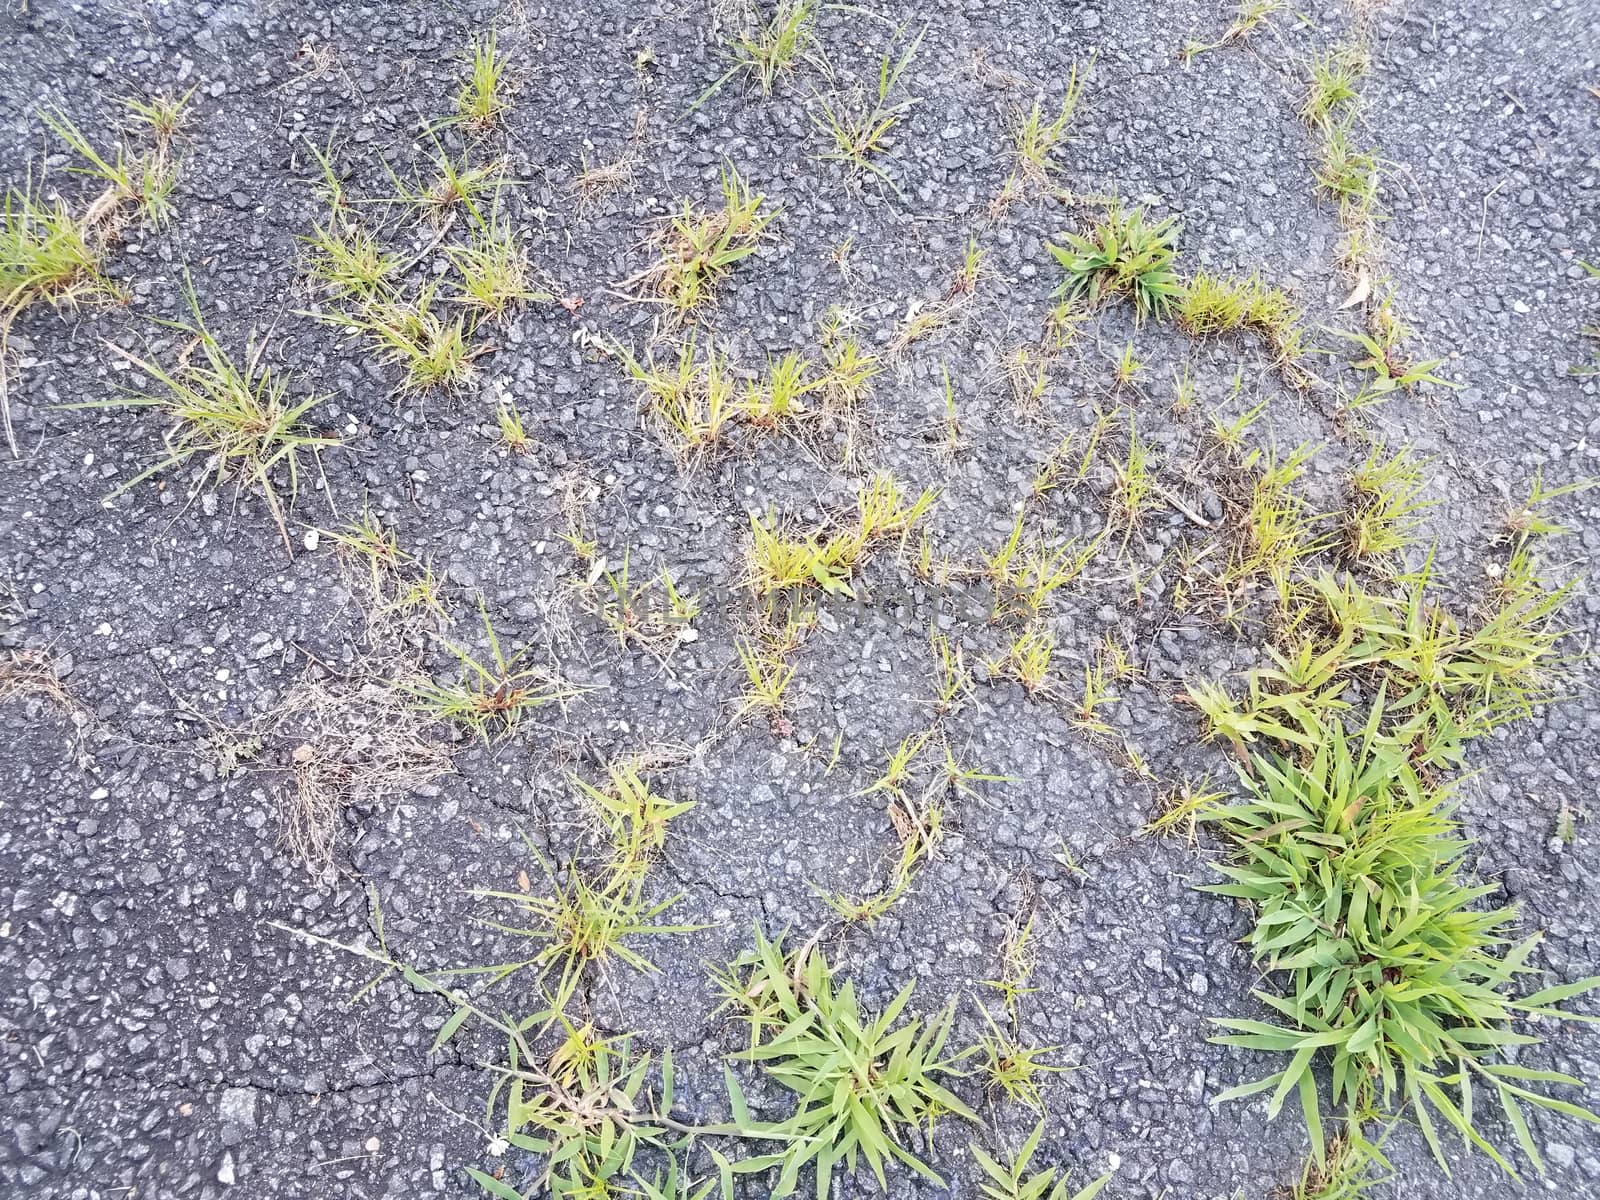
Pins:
<point x="1124" y="255"/>
<point x="859" y="1082"/>
<point x="234" y="416"/>
<point x="700" y="247"/>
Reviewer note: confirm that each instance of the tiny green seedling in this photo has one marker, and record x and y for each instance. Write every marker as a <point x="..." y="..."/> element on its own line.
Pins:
<point x="513" y="434"/>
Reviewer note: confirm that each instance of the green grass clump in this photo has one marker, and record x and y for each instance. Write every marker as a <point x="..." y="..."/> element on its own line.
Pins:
<point x="1215" y="304"/>
<point x="768" y="49"/>
<point x="495" y="278"/>
<point x="1124" y="255"/>
<point x="1333" y="89"/>
<point x="1395" y="970"/>
<point x="51" y="254"/>
<point x="692" y="402"/>
<point x="1248" y="16"/>
<point x="1038" y="137"/>
<point x="47" y="255"/>
<point x="700" y="247"/>
<point x="433" y="350"/>
<point x="1385" y="505"/>
<point x="482" y="100"/>
<point x="1347" y="172"/>
<point x="234" y="415"/>
<point x="490" y="697"/>
<point x="144" y="180"/>
<point x="587" y="1109"/>
<point x="860" y="126"/>
<point x="858" y="1081"/>
<point x="348" y="261"/>
<point x="780" y="560"/>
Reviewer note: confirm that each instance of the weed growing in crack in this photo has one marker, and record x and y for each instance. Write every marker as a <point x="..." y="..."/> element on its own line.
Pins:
<point x="633" y="817"/>
<point x="235" y="416"/>
<point x="433" y="351"/>
<point x="1333" y="89"/>
<point x="1389" y="367"/>
<point x="828" y="558"/>
<point x="1026" y="659"/>
<point x="1012" y="1068"/>
<point x="586" y="1109"/>
<point x="1038" y="138"/>
<point x="1354" y="867"/>
<point x="1124" y="255"/>
<point x="1248" y="16"/>
<point x="858" y="1081"/>
<point x="767" y="50"/>
<point x="768" y="673"/>
<point x="1215" y="304"/>
<point x="584" y="922"/>
<point x="1024" y="574"/>
<point x="1385" y="507"/>
<point x="145" y="181"/>
<point x="1351" y="1165"/>
<point x="513" y="434"/>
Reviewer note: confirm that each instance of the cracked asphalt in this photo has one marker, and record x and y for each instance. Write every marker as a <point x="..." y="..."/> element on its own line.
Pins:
<point x="164" y="1036"/>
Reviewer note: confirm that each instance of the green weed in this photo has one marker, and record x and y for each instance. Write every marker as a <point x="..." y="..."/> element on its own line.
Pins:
<point x="491" y="696"/>
<point x="1010" y="1180"/>
<point x="482" y="100"/>
<point x="1332" y="91"/>
<point x="1248" y="16"/>
<point x="1385" y="506"/>
<point x="1395" y="970"/>
<point x="1038" y="138"/>
<point x="767" y="50"/>
<point x="494" y="271"/>
<point x="700" y="247"/>
<point x="432" y="351"/>
<point x="857" y="1081"/>
<point x="1124" y="255"/>
<point x="859" y="126"/>
<point x="235" y="416"/>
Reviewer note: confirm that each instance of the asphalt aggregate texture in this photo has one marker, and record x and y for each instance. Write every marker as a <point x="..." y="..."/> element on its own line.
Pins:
<point x="165" y="1034"/>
